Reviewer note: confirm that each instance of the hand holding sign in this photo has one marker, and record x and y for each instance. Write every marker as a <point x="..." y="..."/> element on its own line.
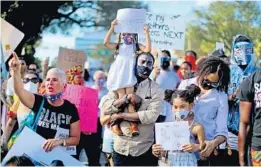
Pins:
<point x="130" y="21"/>
<point x="114" y="23"/>
<point x="172" y="135"/>
<point x="157" y="150"/>
<point x="146" y="30"/>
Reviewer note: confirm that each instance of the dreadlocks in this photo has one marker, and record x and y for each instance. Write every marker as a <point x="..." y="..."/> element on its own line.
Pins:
<point x="211" y="65"/>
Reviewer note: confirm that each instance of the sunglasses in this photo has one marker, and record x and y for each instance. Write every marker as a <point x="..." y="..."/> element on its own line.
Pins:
<point x="34" y="80"/>
<point x="209" y="83"/>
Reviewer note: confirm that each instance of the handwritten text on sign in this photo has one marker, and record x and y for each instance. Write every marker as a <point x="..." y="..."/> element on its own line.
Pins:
<point x="130" y="20"/>
<point x="165" y="31"/>
<point x="86" y="101"/>
<point x="68" y="58"/>
<point x="172" y="135"/>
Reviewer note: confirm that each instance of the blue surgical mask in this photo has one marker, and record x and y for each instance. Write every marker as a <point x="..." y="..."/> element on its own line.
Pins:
<point x="182" y="114"/>
<point x="31" y="87"/>
<point x="100" y="82"/>
<point x="53" y="98"/>
<point x="165" y="62"/>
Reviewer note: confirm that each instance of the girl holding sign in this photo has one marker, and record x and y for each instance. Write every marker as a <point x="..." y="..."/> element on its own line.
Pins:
<point x="121" y="77"/>
<point x="182" y="103"/>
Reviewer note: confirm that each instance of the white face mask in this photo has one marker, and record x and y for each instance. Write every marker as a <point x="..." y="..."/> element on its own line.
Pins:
<point x="182" y="114"/>
<point x="31" y="87"/>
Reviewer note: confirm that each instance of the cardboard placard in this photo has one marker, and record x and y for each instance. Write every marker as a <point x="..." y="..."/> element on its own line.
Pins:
<point x="86" y="101"/>
<point x="172" y="135"/>
<point x="130" y="20"/>
<point x="69" y="58"/>
<point x="10" y="38"/>
<point x="166" y="32"/>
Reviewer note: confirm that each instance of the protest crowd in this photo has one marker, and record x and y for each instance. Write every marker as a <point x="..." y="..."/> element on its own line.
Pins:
<point x="146" y="111"/>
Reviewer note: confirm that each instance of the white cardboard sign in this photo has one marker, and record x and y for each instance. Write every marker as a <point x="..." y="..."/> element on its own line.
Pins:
<point x="10" y="38"/>
<point x="130" y="20"/>
<point x="166" y="32"/>
<point x="30" y="144"/>
<point x="172" y="135"/>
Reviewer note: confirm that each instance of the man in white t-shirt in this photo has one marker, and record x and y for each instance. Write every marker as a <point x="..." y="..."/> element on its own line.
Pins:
<point x="167" y="79"/>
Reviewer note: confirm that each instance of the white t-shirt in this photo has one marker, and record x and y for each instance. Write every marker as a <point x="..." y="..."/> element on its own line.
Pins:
<point x="232" y="141"/>
<point x="167" y="80"/>
<point x="10" y="87"/>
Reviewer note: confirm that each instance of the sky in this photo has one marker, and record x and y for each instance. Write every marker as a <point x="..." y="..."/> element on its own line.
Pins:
<point x="50" y="43"/>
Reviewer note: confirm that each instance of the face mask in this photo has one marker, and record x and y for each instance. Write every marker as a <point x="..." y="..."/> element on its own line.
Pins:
<point x="182" y="114"/>
<point x="53" y="98"/>
<point x="128" y="40"/>
<point x="164" y="63"/>
<point x="143" y="70"/>
<point x="100" y="82"/>
<point x="31" y="87"/>
<point x="243" y="52"/>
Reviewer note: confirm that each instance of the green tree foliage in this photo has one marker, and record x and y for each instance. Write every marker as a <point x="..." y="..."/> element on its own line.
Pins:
<point x="223" y="20"/>
<point x="33" y="17"/>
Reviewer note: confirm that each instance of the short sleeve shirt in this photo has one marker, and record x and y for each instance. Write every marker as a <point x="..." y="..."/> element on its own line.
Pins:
<point x="53" y="117"/>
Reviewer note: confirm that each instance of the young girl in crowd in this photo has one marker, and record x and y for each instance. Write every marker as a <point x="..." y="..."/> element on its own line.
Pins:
<point x="182" y="105"/>
<point x="121" y="77"/>
<point x="185" y="71"/>
<point x="191" y="57"/>
<point x="211" y="106"/>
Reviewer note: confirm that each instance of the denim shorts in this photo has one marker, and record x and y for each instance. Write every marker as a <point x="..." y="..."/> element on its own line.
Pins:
<point x="107" y="145"/>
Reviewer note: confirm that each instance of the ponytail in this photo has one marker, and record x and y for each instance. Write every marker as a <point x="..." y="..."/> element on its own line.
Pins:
<point x="187" y="95"/>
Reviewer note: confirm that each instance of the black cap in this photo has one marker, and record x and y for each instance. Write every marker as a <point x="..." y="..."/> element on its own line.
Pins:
<point x="219" y="53"/>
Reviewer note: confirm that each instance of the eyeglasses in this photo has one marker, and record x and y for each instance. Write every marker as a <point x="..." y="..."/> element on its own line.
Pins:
<point x="34" y="80"/>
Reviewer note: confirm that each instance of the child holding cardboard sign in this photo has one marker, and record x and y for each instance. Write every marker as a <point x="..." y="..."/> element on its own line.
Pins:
<point x="182" y="108"/>
<point x="121" y="77"/>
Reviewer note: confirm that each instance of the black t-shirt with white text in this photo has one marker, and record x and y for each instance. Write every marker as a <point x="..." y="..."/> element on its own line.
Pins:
<point x="250" y="91"/>
<point x="53" y="117"/>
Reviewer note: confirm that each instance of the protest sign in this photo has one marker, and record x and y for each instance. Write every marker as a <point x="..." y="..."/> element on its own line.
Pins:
<point x="63" y="134"/>
<point x="30" y="144"/>
<point x="69" y="58"/>
<point x="86" y="101"/>
<point x="10" y="38"/>
<point x="166" y="32"/>
<point x="220" y="45"/>
<point x="130" y="20"/>
<point x="172" y="135"/>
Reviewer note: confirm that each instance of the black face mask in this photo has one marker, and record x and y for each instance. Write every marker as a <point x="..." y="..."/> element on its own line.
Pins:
<point x="165" y="65"/>
<point x="141" y="70"/>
